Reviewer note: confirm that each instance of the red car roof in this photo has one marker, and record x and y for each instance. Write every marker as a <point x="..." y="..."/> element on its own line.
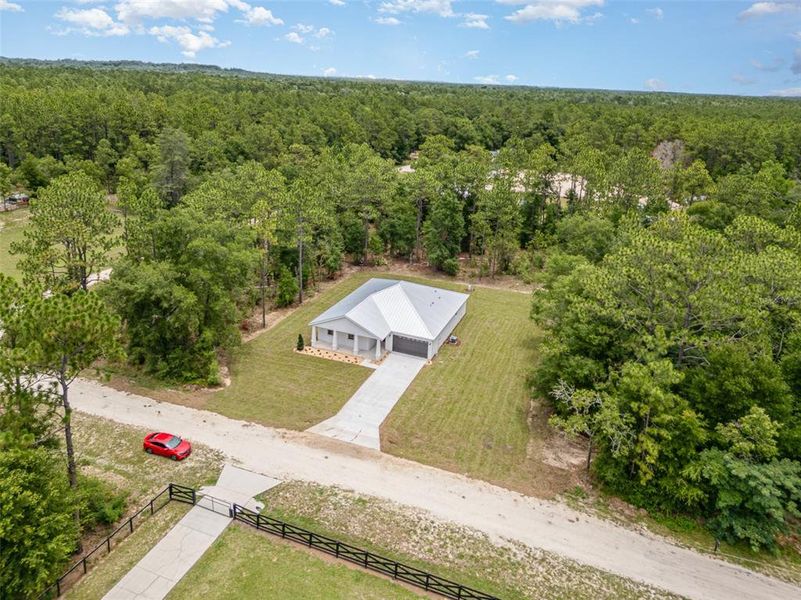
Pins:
<point x="162" y="437"/>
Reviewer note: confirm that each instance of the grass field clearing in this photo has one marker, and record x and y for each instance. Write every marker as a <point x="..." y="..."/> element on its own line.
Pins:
<point x="244" y="563"/>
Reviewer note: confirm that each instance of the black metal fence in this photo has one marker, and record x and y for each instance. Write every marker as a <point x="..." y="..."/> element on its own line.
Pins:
<point x="173" y="491"/>
<point x="363" y="558"/>
<point x="187" y="495"/>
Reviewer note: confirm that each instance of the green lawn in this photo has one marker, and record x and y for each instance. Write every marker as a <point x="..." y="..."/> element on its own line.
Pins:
<point x="244" y="563"/>
<point x="110" y="568"/>
<point x="469" y="410"/>
<point x="12" y="224"/>
<point x="273" y="385"/>
<point x="113" y="452"/>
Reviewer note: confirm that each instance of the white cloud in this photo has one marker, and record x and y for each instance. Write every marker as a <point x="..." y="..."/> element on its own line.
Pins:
<point x="10" y="6"/>
<point x="511" y="78"/>
<point x="301" y="29"/>
<point x="330" y="72"/>
<point x="392" y="21"/>
<point x="442" y="8"/>
<point x="191" y="43"/>
<point x="634" y="21"/>
<point x="656" y="13"/>
<point x="293" y="37"/>
<point x="761" y="9"/>
<point x="337" y="2"/>
<point x="788" y="92"/>
<point x="472" y="54"/>
<point x="91" y="22"/>
<point x="487" y="79"/>
<point x="655" y="85"/>
<point x="743" y="79"/>
<point x="772" y="66"/>
<point x="558" y="11"/>
<point x="258" y="15"/>
<point x="475" y="21"/>
<point x="136" y="11"/>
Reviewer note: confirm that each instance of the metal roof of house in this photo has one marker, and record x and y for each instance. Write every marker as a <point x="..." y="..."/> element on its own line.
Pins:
<point x="384" y="306"/>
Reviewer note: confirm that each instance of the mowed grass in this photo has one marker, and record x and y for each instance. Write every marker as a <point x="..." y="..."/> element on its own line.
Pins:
<point x="110" y="568"/>
<point x="113" y="452"/>
<point x="244" y="563"/>
<point x="273" y="385"/>
<point x="12" y="224"/>
<point x="469" y="410"/>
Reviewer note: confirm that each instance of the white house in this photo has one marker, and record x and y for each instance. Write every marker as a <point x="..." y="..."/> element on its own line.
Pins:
<point x="392" y="316"/>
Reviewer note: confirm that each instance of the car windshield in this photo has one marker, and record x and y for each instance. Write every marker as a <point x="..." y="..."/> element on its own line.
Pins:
<point x="172" y="442"/>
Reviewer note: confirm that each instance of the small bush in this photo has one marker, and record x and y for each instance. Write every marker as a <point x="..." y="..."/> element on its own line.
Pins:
<point x="450" y="266"/>
<point x="100" y="502"/>
<point x="301" y="344"/>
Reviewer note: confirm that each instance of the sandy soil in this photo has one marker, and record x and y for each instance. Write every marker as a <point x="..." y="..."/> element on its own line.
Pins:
<point x="501" y="514"/>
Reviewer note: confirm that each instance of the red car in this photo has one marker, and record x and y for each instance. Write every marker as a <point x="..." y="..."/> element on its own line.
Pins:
<point x="167" y="444"/>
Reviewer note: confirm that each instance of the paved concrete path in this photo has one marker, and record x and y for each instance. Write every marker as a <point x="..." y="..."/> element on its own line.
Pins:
<point x="499" y="513"/>
<point x="156" y="574"/>
<point x="358" y="422"/>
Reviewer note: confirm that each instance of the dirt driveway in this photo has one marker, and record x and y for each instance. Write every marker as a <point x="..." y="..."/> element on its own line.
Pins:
<point x="499" y="513"/>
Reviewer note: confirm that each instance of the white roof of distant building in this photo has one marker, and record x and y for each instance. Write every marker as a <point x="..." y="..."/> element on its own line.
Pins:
<point x="384" y="306"/>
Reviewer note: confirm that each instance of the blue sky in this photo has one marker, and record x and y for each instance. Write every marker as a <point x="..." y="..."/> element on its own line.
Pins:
<point x="702" y="46"/>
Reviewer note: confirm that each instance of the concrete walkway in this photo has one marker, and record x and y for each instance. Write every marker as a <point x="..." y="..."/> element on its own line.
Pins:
<point x="501" y="514"/>
<point x="156" y="574"/>
<point x="358" y="422"/>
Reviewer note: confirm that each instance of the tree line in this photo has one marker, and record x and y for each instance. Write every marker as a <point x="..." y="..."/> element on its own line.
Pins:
<point x="661" y="231"/>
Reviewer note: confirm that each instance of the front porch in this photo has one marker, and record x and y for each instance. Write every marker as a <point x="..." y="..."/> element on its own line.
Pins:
<point x="361" y="346"/>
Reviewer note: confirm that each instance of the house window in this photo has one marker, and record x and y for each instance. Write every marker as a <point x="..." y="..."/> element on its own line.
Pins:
<point x="330" y="332"/>
<point x="350" y="336"/>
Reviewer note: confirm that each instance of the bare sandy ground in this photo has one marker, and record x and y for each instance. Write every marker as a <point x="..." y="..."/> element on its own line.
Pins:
<point x="500" y="513"/>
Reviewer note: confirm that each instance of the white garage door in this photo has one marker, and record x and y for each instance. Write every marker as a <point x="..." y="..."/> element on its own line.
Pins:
<point x="409" y="346"/>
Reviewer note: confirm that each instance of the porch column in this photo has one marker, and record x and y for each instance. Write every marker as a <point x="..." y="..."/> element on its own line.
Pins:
<point x="355" y="344"/>
<point x="334" y="341"/>
<point x="314" y="336"/>
<point x="377" y="349"/>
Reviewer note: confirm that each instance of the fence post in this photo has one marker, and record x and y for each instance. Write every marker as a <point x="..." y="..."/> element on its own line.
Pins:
<point x="336" y="550"/>
<point x="108" y="544"/>
<point x="84" y="565"/>
<point x="170" y="492"/>
<point x="258" y="520"/>
<point x="428" y="578"/>
<point x="396" y="570"/>
<point x="130" y="525"/>
<point x="194" y="499"/>
<point x="151" y="506"/>
<point x="283" y="529"/>
<point x="58" y="587"/>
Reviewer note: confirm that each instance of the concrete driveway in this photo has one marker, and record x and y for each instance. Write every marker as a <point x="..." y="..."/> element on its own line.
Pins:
<point x="504" y="516"/>
<point x="359" y="420"/>
<point x="170" y="559"/>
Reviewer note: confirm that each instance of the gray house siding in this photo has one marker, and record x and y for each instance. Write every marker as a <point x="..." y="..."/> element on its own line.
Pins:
<point x="448" y="330"/>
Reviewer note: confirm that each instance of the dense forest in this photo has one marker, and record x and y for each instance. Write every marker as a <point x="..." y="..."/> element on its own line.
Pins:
<point x="661" y="233"/>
